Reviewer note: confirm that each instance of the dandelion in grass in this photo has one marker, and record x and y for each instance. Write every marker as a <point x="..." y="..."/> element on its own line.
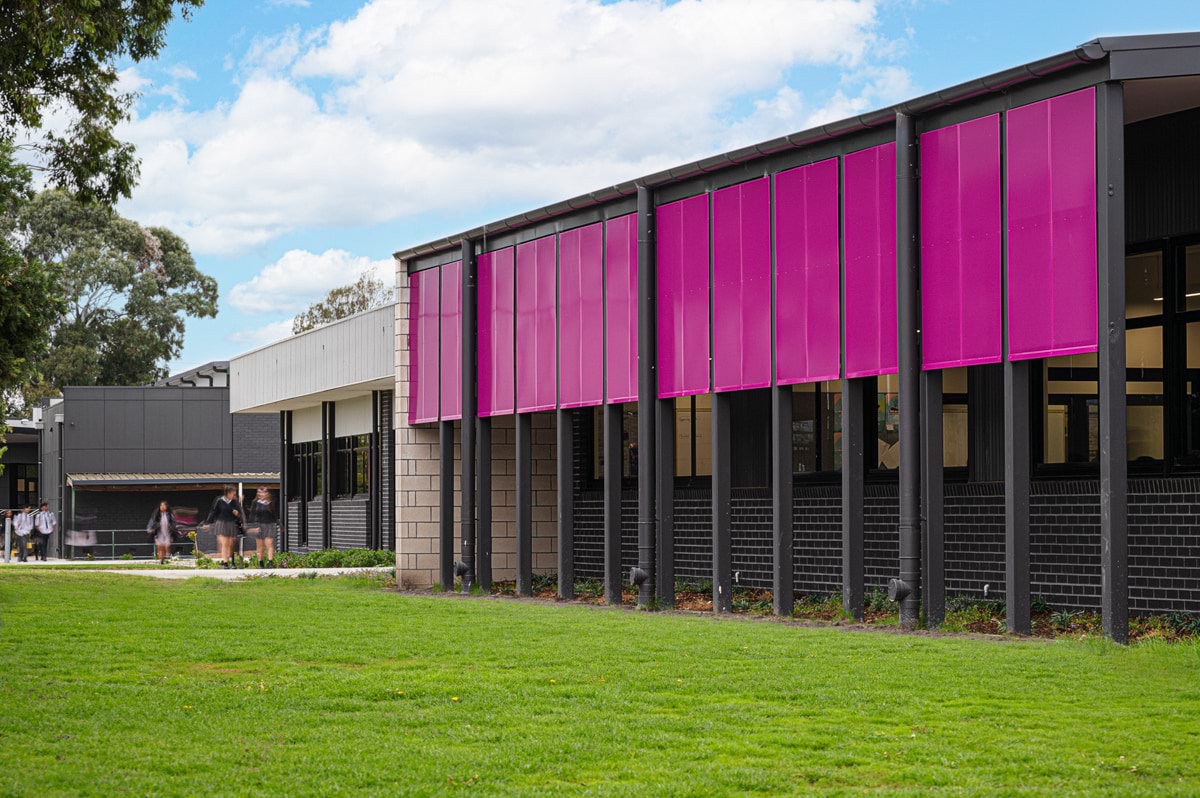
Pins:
<point x="554" y="681"/>
<point x="454" y="699"/>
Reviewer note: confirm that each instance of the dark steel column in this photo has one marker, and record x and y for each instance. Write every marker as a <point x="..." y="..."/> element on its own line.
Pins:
<point x="783" y="577"/>
<point x="566" y="504"/>
<point x="611" y="458"/>
<point x="328" y="479"/>
<point x="285" y="459"/>
<point x="664" y="504"/>
<point x="483" y="554"/>
<point x="374" y="484"/>
<point x="854" y="468"/>
<point x="524" y="447"/>
<point x="469" y="412"/>
<point x="1016" y="494"/>
<point x="647" y="397"/>
<point x="909" y="315"/>
<point x="446" y="505"/>
<point x="933" y="569"/>
<point x="722" y="513"/>
<point x="1114" y="483"/>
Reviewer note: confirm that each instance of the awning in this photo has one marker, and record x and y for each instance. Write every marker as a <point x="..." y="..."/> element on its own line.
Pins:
<point x="103" y="480"/>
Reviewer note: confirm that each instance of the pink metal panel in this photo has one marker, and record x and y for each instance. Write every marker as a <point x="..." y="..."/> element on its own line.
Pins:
<point x="496" y="322"/>
<point x="536" y="325"/>
<point x="870" y="218"/>
<point x="451" y="346"/>
<point x="742" y="286"/>
<point x="683" y="282"/>
<point x="621" y="309"/>
<point x="581" y="330"/>
<point x="1052" y="290"/>
<point x="423" y="347"/>
<point x="960" y="245"/>
<point x="808" y="296"/>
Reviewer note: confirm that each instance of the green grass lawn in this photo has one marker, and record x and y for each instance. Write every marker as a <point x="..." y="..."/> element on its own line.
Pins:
<point x="126" y="685"/>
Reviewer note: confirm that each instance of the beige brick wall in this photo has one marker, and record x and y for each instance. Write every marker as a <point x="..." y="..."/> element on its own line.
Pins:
<point x="418" y="468"/>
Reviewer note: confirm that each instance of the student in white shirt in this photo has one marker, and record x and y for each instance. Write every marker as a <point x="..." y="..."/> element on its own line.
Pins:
<point x="44" y="524"/>
<point x="22" y="525"/>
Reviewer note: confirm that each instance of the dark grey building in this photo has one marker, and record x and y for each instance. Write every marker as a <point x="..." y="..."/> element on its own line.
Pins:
<point x="110" y="454"/>
<point x="19" y="482"/>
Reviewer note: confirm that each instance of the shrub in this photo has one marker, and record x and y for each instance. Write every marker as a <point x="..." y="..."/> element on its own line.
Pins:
<point x="335" y="558"/>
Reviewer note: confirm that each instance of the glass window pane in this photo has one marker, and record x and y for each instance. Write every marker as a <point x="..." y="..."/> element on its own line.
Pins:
<point x="1191" y="383"/>
<point x="1143" y="285"/>
<point x="1070" y="403"/>
<point x="888" y="426"/>
<point x="704" y="435"/>
<point x="1191" y="279"/>
<point x="805" y="421"/>
<point x="1144" y="393"/>
<point x="683" y="436"/>
<point x="629" y="450"/>
<point x="954" y="435"/>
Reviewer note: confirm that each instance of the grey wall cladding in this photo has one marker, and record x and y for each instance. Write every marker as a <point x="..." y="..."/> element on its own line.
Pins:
<point x="256" y="443"/>
<point x="350" y="518"/>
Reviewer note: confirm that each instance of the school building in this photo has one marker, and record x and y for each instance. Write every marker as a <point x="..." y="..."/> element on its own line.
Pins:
<point x="947" y="347"/>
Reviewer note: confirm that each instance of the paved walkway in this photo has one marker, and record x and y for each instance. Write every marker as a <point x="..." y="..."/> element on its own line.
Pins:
<point x="240" y="573"/>
<point x="186" y="569"/>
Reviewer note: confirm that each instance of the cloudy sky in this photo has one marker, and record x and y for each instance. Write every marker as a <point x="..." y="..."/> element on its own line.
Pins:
<point x="297" y="143"/>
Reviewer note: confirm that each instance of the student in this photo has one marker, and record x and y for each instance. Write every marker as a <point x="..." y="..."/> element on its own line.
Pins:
<point x="44" y="524"/>
<point x="261" y="524"/>
<point x="22" y="527"/>
<point x="163" y="527"/>
<point x="226" y="517"/>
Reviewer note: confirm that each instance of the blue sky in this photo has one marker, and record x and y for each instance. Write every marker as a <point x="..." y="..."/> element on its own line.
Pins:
<point x="295" y="144"/>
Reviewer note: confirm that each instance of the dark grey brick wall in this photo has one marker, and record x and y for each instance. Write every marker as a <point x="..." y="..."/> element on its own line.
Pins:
<point x="1164" y="539"/>
<point x="349" y="518"/>
<point x="256" y="442"/>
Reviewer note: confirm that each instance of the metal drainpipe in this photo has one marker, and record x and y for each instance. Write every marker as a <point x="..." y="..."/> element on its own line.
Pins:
<point x="466" y="568"/>
<point x="906" y="590"/>
<point x="643" y="575"/>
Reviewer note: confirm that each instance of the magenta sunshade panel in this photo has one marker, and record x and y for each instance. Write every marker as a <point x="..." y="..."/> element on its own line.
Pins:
<point x="808" y="297"/>
<point x="423" y="355"/>
<point x="537" y="325"/>
<point x="497" y="390"/>
<point x="581" y="320"/>
<point x="451" y="346"/>
<point x="742" y="286"/>
<point x="621" y="308"/>
<point x="1052" y="291"/>
<point x="870" y="218"/>
<point x="961" y="305"/>
<point x="683" y="281"/>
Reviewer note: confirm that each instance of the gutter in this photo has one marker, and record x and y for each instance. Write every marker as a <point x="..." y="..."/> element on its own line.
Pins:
<point x="1094" y="50"/>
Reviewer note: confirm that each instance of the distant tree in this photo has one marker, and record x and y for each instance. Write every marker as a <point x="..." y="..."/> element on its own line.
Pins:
<point x="59" y="56"/>
<point x="30" y="293"/>
<point x="365" y="293"/>
<point x="128" y="292"/>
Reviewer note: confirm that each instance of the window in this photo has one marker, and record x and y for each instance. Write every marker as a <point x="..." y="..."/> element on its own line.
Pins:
<point x="24" y="485"/>
<point x="817" y="427"/>
<point x="629" y="446"/>
<point x="352" y="466"/>
<point x="693" y="436"/>
<point x="304" y="477"/>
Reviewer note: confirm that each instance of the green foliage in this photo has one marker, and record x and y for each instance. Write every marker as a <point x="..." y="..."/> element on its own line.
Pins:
<point x="876" y="600"/>
<point x="62" y="56"/>
<point x="128" y="292"/>
<point x="365" y="293"/>
<point x="335" y="558"/>
<point x="127" y="556"/>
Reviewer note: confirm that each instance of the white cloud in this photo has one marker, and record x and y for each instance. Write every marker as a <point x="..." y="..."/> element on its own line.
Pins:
<point x="261" y="336"/>
<point x="415" y="106"/>
<point x="301" y="277"/>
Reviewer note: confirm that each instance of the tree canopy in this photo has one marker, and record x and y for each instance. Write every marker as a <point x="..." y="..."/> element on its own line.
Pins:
<point x="128" y="291"/>
<point x="58" y="57"/>
<point x="363" y="294"/>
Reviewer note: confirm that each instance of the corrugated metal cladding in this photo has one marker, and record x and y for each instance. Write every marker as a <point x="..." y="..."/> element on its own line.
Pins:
<point x="1162" y="177"/>
<point x="359" y="349"/>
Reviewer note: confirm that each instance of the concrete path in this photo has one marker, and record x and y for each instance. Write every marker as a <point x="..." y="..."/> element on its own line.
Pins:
<point x="186" y="569"/>
<point x="241" y="573"/>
